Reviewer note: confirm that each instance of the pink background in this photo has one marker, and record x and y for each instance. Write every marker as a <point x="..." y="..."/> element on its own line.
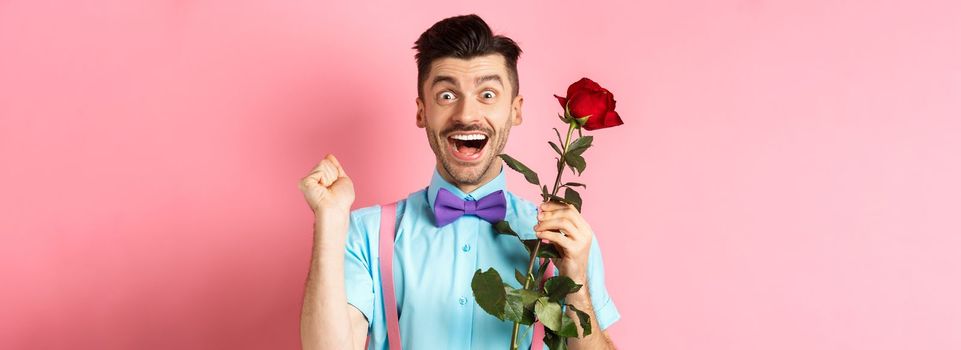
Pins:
<point x="787" y="177"/>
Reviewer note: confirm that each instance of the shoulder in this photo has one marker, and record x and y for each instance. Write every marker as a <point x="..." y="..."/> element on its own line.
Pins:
<point x="368" y="218"/>
<point x="521" y="214"/>
<point x="520" y="205"/>
<point x="365" y="216"/>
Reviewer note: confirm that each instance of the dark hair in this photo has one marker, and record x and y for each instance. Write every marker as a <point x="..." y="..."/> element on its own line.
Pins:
<point x="463" y="37"/>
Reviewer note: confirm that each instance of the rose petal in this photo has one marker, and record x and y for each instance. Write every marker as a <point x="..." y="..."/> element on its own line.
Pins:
<point x="608" y="120"/>
<point x="582" y="85"/>
<point x="562" y="100"/>
<point x="588" y="103"/>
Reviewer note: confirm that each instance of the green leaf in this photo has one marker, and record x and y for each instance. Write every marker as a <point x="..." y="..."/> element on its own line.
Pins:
<point x="539" y="274"/>
<point x="558" y="287"/>
<point x="584" y="319"/>
<point x="520" y="305"/>
<point x="544" y="193"/>
<point x="559" y="139"/>
<point x="489" y="292"/>
<point x="576" y="161"/>
<point x="520" y="277"/>
<point x="572" y="196"/>
<point x="549" y="313"/>
<point x="568" y="328"/>
<point x="574" y="184"/>
<point x="527" y="296"/>
<point x="556" y="149"/>
<point x="554" y="341"/>
<point x="503" y="227"/>
<point x="547" y="250"/>
<point x="580" y="145"/>
<point x="529" y="174"/>
<point x="513" y="308"/>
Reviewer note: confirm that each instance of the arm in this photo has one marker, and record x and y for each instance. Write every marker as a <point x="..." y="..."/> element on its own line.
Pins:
<point x="564" y="226"/>
<point x="327" y="321"/>
<point x="598" y="339"/>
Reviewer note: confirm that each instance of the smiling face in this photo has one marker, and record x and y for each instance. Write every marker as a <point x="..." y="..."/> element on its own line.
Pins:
<point x="467" y="111"/>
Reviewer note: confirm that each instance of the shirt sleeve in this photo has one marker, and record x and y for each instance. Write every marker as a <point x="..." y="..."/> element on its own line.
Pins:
<point x="358" y="273"/>
<point x="604" y="308"/>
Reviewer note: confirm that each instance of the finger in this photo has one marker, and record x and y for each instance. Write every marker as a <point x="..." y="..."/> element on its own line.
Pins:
<point x="552" y="206"/>
<point x="557" y="213"/>
<point x="340" y="169"/>
<point x="321" y="175"/>
<point x="309" y="181"/>
<point x="557" y="238"/>
<point x="562" y="224"/>
<point x="571" y="214"/>
<point x="313" y="177"/>
<point x="330" y="173"/>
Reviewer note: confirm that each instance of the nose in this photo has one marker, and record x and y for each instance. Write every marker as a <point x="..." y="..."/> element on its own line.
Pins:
<point x="468" y="112"/>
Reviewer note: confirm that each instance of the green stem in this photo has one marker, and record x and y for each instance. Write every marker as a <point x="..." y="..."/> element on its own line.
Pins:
<point x="537" y="247"/>
<point x="560" y="162"/>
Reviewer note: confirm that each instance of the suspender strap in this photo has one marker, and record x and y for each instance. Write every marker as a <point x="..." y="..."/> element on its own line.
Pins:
<point x="538" y="342"/>
<point x="387" y="230"/>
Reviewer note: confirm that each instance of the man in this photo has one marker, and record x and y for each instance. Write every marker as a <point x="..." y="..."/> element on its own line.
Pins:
<point x="467" y="102"/>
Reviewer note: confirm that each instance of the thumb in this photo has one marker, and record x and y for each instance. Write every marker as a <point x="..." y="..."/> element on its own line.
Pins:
<point x="340" y="169"/>
<point x="343" y="190"/>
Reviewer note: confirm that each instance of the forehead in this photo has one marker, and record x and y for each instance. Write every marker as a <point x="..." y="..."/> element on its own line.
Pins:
<point x="465" y="70"/>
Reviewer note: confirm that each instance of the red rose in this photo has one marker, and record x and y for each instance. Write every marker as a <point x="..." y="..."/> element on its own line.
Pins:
<point x="587" y="99"/>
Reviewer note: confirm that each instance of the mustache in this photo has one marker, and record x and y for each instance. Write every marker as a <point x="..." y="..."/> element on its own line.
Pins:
<point x="463" y="127"/>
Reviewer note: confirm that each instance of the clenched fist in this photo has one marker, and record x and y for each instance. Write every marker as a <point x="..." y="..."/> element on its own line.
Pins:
<point x="327" y="188"/>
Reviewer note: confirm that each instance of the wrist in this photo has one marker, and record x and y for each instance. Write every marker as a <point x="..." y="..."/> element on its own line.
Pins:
<point x="581" y="298"/>
<point x="577" y="276"/>
<point x="329" y="217"/>
<point x="331" y="230"/>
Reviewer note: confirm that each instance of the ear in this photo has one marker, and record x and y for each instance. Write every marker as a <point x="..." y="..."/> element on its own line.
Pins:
<point x="516" y="106"/>
<point x="421" y="117"/>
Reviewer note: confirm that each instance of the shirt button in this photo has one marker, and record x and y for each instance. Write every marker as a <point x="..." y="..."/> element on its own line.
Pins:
<point x="462" y="300"/>
<point x="466" y="248"/>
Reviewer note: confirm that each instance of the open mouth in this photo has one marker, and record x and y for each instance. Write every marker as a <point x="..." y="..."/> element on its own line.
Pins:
<point x="467" y="147"/>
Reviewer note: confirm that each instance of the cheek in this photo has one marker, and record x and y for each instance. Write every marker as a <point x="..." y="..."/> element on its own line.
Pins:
<point x="499" y="115"/>
<point x="437" y="117"/>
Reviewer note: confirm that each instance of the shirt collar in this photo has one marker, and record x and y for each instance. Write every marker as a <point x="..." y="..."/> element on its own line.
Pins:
<point x="437" y="182"/>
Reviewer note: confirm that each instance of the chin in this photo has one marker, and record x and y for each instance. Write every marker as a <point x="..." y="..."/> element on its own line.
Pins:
<point x="470" y="174"/>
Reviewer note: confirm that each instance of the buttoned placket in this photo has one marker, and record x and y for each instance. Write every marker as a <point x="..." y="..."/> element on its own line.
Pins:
<point x="468" y="228"/>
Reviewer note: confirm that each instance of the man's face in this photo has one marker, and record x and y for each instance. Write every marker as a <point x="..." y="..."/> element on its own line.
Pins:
<point x="467" y="111"/>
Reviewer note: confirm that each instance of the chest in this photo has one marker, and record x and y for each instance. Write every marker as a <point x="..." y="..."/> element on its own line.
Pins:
<point x="435" y="266"/>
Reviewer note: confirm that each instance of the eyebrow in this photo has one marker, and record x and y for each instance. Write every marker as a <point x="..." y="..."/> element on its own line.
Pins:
<point x="486" y="78"/>
<point x="443" y="78"/>
<point x="477" y="81"/>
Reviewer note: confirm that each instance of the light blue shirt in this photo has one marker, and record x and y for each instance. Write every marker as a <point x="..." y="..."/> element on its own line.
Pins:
<point x="433" y="268"/>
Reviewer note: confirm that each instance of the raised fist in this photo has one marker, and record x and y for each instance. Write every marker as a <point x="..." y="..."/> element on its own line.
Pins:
<point x="327" y="188"/>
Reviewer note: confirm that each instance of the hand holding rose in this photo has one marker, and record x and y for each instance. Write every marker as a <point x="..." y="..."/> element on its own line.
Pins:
<point x="563" y="225"/>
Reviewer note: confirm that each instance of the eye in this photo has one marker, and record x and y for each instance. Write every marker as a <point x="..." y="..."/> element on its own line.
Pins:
<point x="487" y="94"/>
<point x="445" y="96"/>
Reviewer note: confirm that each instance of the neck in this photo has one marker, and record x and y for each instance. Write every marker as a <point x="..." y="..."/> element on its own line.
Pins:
<point x="491" y="173"/>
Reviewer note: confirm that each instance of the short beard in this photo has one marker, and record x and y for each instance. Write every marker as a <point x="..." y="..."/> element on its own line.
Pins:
<point x="496" y="145"/>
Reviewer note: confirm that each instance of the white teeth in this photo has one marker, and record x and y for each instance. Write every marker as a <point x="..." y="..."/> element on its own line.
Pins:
<point x="469" y="137"/>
